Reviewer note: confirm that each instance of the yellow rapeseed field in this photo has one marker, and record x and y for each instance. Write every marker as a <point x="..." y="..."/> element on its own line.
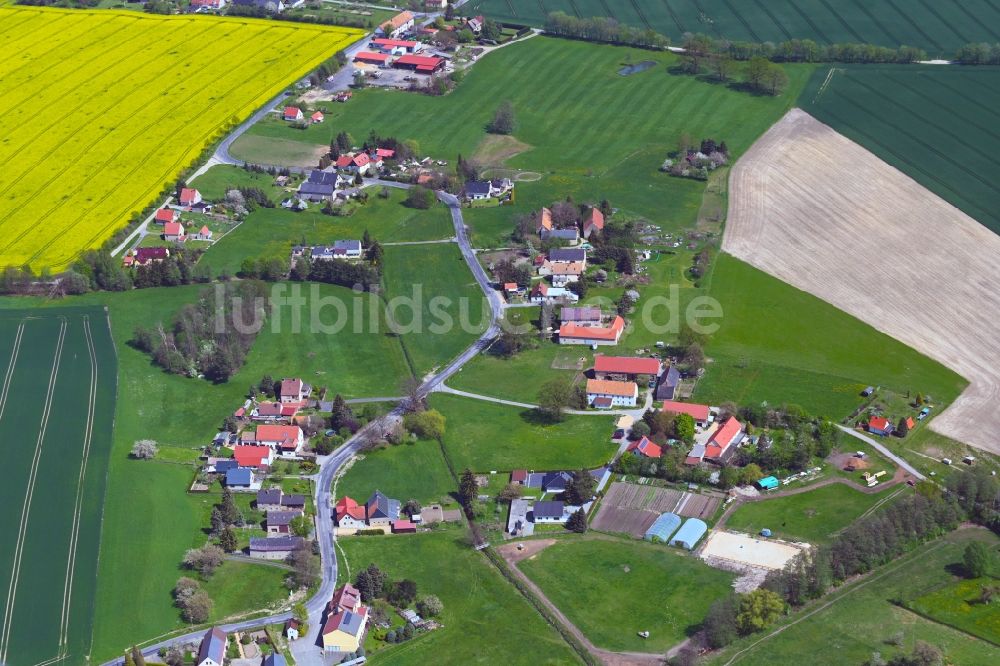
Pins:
<point x="100" y="110"/>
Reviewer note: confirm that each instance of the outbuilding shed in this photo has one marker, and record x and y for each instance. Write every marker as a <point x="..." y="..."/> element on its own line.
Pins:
<point x="663" y="527"/>
<point x="689" y="533"/>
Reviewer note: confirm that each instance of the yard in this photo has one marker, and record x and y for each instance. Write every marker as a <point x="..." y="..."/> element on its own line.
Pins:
<point x="958" y="605"/>
<point x="519" y="378"/>
<point x="861" y="618"/>
<point x="814" y="516"/>
<point x="414" y="470"/>
<point x="219" y="179"/>
<point x="486" y="621"/>
<point x="484" y="436"/>
<point x="611" y="589"/>
<point x="271" y="232"/>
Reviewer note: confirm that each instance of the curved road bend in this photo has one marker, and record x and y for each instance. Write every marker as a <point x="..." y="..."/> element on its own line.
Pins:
<point x="305" y="650"/>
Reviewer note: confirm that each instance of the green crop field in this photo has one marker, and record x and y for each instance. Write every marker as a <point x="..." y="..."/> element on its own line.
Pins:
<point x="484" y="436"/>
<point x="779" y="344"/>
<point x="130" y="99"/>
<point x="813" y="516"/>
<point x="937" y="125"/>
<point x="57" y="404"/>
<point x="271" y="232"/>
<point x="861" y="618"/>
<point x="611" y="589"/>
<point x="414" y="470"/>
<point x="939" y="27"/>
<point x="958" y="605"/>
<point x="486" y="621"/>
<point x="589" y="150"/>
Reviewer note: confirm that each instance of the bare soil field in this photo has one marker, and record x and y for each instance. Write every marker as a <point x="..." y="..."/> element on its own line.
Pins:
<point x="630" y="508"/>
<point x="823" y="214"/>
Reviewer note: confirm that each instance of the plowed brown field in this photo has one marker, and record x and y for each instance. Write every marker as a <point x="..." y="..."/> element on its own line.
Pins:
<point x="825" y="215"/>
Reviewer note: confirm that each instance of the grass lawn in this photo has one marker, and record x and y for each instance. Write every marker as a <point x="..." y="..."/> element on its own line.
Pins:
<point x="518" y="378"/>
<point x="863" y="618"/>
<point x="408" y="471"/>
<point x="611" y="589"/>
<point x="271" y="232"/>
<point x="237" y="587"/>
<point x="813" y="516"/>
<point x="484" y="436"/>
<point x="957" y="605"/>
<point x="589" y="150"/>
<point x="485" y="619"/>
<point x="277" y="150"/>
<point x="219" y="179"/>
<point x="343" y="353"/>
<point x="435" y="302"/>
<point x="779" y="344"/>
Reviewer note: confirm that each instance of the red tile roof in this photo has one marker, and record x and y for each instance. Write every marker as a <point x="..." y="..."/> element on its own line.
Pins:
<point x="594" y="218"/>
<point x="392" y="43"/>
<point x="698" y="412"/>
<point x="910" y="422"/>
<point x="349" y="507"/>
<point x="368" y="56"/>
<point x="878" y="423"/>
<point x="574" y="330"/>
<point x="173" y="229"/>
<point x="292" y="112"/>
<point x="420" y="61"/>
<point x="605" y="387"/>
<point x="205" y="231"/>
<point x="291" y="387"/>
<point x="385" y="152"/>
<point x="285" y="436"/>
<point x="188" y="195"/>
<point x="398" y="20"/>
<point x="646" y="447"/>
<point x="545" y="219"/>
<point x="317" y="116"/>
<point x="726" y="433"/>
<point x="345" y="598"/>
<point x="630" y="365"/>
<point x="510" y="286"/>
<point x="166" y="215"/>
<point x="251" y="456"/>
<point x="519" y="476"/>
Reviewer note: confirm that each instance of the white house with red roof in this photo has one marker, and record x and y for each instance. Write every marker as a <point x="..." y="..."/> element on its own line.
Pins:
<point x="354" y="163"/>
<point x="317" y="117"/>
<point x="646" y="447"/>
<point x="165" y="215"/>
<point x="398" y="25"/>
<point x="572" y="333"/>
<point x="189" y="197"/>
<point x="286" y="440"/>
<point x="725" y="440"/>
<point x="543" y="293"/>
<point x="203" y="234"/>
<point x="174" y="231"/>
<point x="350" y="515"/>
<point x="208" y="4"/>
<point x="292" y="114"/>
<point x="702" y="414"/>
<point x="879" y="425"/>
<point x="605" y="394"/>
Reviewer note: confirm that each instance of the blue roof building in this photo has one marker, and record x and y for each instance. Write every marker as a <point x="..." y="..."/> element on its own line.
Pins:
<point x="689" y="533"/>
<point x="275" y="659"/>
<point x="663" y="527"/>
<point x="768" y="483"/>
<point x="239" y="477"/>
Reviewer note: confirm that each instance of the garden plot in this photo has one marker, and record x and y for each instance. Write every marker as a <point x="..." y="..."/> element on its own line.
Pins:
<point x="820" y="212"/>
<point x="631" y="508"/>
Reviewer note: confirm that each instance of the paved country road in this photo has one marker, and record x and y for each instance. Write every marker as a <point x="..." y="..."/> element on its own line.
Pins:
<point x="305" y="650"/>
<point x="881" y="448"/>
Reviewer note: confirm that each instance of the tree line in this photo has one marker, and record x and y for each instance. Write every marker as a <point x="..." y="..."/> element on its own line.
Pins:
<point x="603" y="29"/>
<point x="211" y="337"/>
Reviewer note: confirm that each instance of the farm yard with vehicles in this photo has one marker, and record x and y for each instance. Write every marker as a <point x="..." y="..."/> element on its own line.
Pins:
<point x="938" y="28"/>
<point x="57" y="405"/>
<point x="255" y="310"/>
<point x="74" y="174"/>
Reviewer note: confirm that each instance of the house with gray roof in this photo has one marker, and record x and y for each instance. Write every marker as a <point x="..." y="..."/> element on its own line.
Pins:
<point x="213" y="648"/>
<point x="569" y="234"/>
<point x="381" y="511"/>
<point x="567" y="255"/>
<point x="279" y="522"/>
<point x="274" y="548"/>
<point x="311" y="191"/>
<point x="548" y="512"/>
<point x="667" y="384"/>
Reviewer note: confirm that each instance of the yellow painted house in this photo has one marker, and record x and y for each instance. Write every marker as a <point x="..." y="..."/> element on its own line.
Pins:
<point x="346" y="621"/>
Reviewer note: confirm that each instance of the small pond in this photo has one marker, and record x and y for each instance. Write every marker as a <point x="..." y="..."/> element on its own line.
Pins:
<point x="637" y="67"/>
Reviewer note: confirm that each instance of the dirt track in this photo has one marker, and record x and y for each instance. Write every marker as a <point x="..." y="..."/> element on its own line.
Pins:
<point x="823" y="214"/>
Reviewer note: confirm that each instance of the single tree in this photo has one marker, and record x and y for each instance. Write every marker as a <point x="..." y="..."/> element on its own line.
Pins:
<point x="426" y="425"/>
<point x="510" y="492"/>
<point x="577" y="521"/>
<point x="230" y="512"/>
<point x="301" y="526"/>
<point x="217" y="522"/>
<point x="468" y="488"/>
<point x="137" y="657"/>
<point x="757" y="610"/>
<point x="198" y="608"/>
<point x="205" y="559"/>
<point x="430" y="606"/>
<point x="581" y="488"/>
<point x="978" y="559"/>
<point x="555" y="397"/>
<point x="503" y="119"/>
<point x="412" y="507"/>
<point x="684" y="427"/>
<point x="227" y="540"/>
<point x="144" y="449"/>
<point x="720" y="622"/>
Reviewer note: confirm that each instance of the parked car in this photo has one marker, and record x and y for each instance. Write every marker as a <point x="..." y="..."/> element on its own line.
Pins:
<point x="619" y="434"/>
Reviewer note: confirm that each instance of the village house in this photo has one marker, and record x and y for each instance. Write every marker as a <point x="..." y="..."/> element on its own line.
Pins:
<point x="272" y="412"/>
<point x="144" y="256"/>
<point x="543" y="293"/>
<point x="294" y="390"/>
<point x="342" y="249"/>
<point x="279" y="522"/>
<point x="174" y="231"/>
<point x="317" y="117"/>
<point x="269" y="6"/>
<point x="435" y="5"/>
<point x="203" y="234"/>
<point x="548" y="512"/>
<point x="346" y="620"/>
<point x="569" y="234"/>
<point x="207" y="4"/>
<point x="568" y="255"/>
<point x="240" y="479"/>
<point x="700" y="413"/>
<point x="354" y="163"/>
<point x="646" y="447"/>
<point x="165" y="215"/>
<point x="310" y="191"/>
<point x="477" y="190"/>
<point x="274" y="548"/>
<point x="605" y="394"/>
<point x="544" y="221"/>
<point x="666" y="387"/>
<point x="585" y="316"/>
<point x="879" y="425"/>
<point x="252" y="456"/>
<point x="563" y="273"/>
<point x="379" y="512"/>
<point x="274" y="499"/>
<point x="291" y="629"/>
<point x="593" y="221"/>
<point x="548" y="482"/>
<point x="189" y="197"/>
<point x="623" y="368"/>
<point x="398" y="25"/>
<point x="212" y="651"/>
<point x="572" y="333"/>
<point x="721" y="445"/>
<point x="286" y="440"/>
<point x="292" y="114"/>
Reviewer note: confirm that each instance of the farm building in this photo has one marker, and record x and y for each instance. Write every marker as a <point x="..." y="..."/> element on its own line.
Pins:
<point x="663" y="527"/>
<point x="689" y="533"/>
<point x="624" y="367"/>
<point x="571" y="333"/>
<point x="370" y="58"/>
<point x="420" y="64"/>
<point x="768" y="483"/>
<point x="543" y="293"/>
<point x="584" y="315"/>
<point x="604" y="394"/>
<point x="398" y="46"/>
<point x="567" y="255"/>
<point x="666" y="388"/>
<point x="398" y="25"/>
<point x="700" y="413"/>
